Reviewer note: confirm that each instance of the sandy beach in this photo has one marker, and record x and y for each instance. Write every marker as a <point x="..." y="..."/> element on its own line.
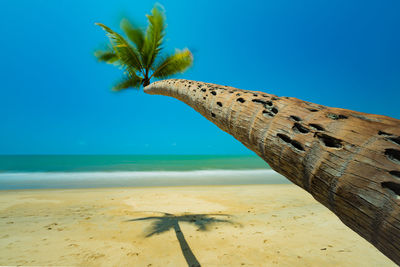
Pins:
<point x="247" y="225"/>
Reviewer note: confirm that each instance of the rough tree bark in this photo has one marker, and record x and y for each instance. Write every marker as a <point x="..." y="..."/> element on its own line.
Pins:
<point x="348" y="161"/>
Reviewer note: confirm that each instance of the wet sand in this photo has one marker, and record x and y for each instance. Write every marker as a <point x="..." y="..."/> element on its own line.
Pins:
<point x="247" y="225"/>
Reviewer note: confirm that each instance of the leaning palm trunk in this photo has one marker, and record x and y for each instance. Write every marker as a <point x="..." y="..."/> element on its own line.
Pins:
<point x="348" y="161"/>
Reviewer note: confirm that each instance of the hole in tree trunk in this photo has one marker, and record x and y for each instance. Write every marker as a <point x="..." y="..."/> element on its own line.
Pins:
<point x="393" y="155"/>
<point x="300" y="128"/>
<point x="317" y="127"/>
<point x="267" y="113"/>
<point x="395" y="187"/>
<point x="395" y="173"/>
<point x="219" y="104"/>
<point x="240" y="99"/>
<point x="269" y="103"/>
<point x="336" y="116"/>
<point x="259" y="101"/>
<point x="297" y="145"/>
<point x="284" y="137"/>
<point x="383" y="133"/>
<point x="395" y="140"/>
<point x="213" y="93"/>
<point x="295" y="118"/>
<point x="288" y="140"/>
<point x="390" y="137"/>
<point x="330" y="141"/>
<point x="212" y="115"/>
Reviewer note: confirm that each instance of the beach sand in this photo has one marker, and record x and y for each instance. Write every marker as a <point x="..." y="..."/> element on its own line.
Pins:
<point x="247" y="225"/>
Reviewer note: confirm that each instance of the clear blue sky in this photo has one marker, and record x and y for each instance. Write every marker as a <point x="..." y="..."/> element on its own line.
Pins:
<point x="56" y="99"/>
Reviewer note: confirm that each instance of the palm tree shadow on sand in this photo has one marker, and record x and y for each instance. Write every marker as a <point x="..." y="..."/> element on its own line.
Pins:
<point x="169" y="221"/>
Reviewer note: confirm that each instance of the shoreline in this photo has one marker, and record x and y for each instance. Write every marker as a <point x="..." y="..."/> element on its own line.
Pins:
<point x="61" y="180"/>
<point x="227" y="225"/>
<point x="135" y="187"/>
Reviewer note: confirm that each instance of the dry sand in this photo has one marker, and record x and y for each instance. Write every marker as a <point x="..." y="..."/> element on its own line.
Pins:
<point x="254" y="225"/>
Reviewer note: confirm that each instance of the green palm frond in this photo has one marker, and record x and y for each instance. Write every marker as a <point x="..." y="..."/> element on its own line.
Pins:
<point x="139" y="55"/>
<point x="173" y="64"/>
<point x="154" y="36"/>
<point x="128" y="82"/>
<point x="128" y="56"/>
<point x="106" y="56"/>
<point x="135" y="34"/>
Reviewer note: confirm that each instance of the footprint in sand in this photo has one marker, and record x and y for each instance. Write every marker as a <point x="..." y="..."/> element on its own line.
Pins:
<point x="132" y="254"/>
<point x="96" y="256"/>
<point x="50" y="226"/>
<point x="344" y="250"/>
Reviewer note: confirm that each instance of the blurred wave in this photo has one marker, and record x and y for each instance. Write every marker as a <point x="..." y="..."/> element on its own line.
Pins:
<point x="41" y="180"/>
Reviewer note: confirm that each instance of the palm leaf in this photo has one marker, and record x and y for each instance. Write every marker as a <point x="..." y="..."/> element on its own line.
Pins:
<point x="106" y="56"/>
<point x="154" y="36"/>
<point x="173" y="64"/>
<point x="128" y="82"/>
<point x="135" y="34"/>
<point x="127" y="55"/>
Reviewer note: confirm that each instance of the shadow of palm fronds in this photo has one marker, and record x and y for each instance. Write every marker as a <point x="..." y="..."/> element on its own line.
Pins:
<point x="170" y="221"/>
<point x="167" y="222"/>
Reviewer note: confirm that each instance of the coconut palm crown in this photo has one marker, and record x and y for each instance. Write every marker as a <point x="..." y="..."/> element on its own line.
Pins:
<point x="140" y="57"/>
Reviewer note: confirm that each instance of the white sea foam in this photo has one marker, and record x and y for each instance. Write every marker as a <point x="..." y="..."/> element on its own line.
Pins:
<point x="137" y="178"/>
<point x="134" y="174"/>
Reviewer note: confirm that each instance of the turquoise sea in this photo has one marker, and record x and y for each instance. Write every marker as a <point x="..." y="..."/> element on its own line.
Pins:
<point x="87" y="171"/>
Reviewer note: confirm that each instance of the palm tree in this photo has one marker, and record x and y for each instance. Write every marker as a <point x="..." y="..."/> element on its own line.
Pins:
<point x="349" y="161"/>
<point x="140" y="58"/>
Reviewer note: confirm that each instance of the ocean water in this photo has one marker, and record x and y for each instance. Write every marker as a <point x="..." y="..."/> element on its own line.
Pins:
<point x="89" y="171"/>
